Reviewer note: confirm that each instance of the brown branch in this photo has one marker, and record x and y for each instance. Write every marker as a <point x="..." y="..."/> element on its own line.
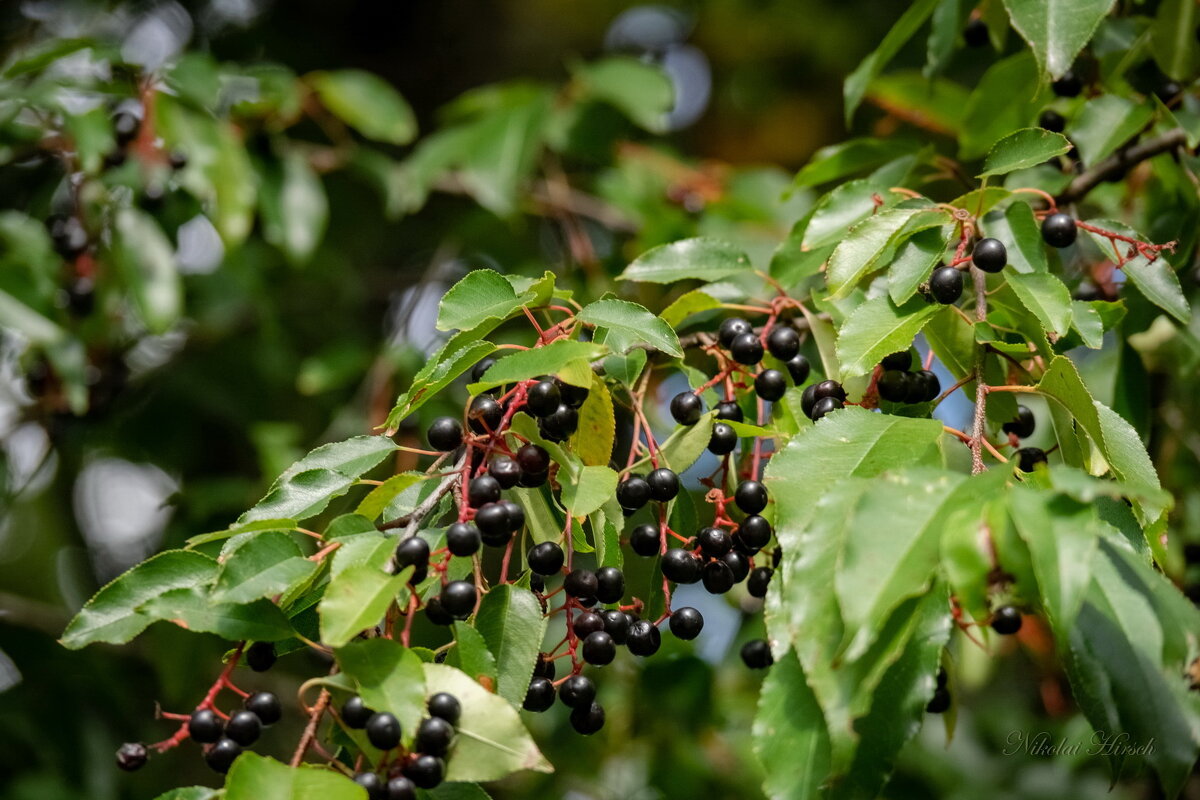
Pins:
<point x="1118" y="163"/>
<point x="414" y="517"/>
<point x="977" y="430"/>
<point x="310" y="730"/>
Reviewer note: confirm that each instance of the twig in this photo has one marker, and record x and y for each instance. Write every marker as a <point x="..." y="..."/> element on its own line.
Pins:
<point x="310" y="730"/>
<point x="413" y="518"/>
<point x="1117" y="164"/>
<point x="977" y="430"/>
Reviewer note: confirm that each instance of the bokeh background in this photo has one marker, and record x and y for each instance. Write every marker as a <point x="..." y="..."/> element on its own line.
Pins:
<point x="185" y="429"/>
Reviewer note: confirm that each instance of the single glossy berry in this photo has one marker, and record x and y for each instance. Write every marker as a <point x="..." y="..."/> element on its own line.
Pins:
<point x="740" y="545"/>
<point x="686" y="408"/>
<point x="750" y="496"/>
<point x="544" y="667"/>
<point x="610" y="585"/>
<point x="686" y="623"/>
<point x="755" y="531"/>
<point x="1023" y="426"/>
<point x="434" y="736"/>
<point x="587" y="622"/>
<point x="901" y="360"/>
<point x="125" y="127"/>
<point x="131" y="756"/>
<point x="1029" y="457"/>
<point x="989" y="255"/>
<point x="401" y="788"/>
<point x="561" y="424"/>
<point x="373" y="784"/>
<point x="425" y="771"/>
<point x="537" y="584"/>
<point x="533" y="459"/>
<point x="975" y="32"/>
<point x="177" y="159"/>
<point x="680" y="566"/>
<point x="413" y="552"/>
<point x="577" y="691"/>
<point x="738" y="564"/>
<point x="940" y="702"/>
<point x="644" y="638"/>
<point x="539" y="696"/>
<point x="731" y="329"/>
<point x="589" y="720"/>
<point x="746" y="349"/>
<point x="714" y="542"/>
<point x="1006" y="620"/>
<point x="546" y="558"/>
<point x="534" y="479"/>
<point x="355" y="713"/>
<point x="482" y="490"/>
<point x="633" y="493"/>
<point x="505" y="471"/>
<point x="543" y="398"/>
<point x="265" y="706"/>
<point x="925" y="386"/>
<point x="664" y="484"/>
<point x="829" y="388"/>
<point x="756" y="654"/>
<point x="244" y="727"/>
<point x="1051" y="120"/>
<point x="383" y="730"/>
<point x="783" y="342"/>
<point x="494" y="525"/>
<point x="445" y="434"/>
<point x="205" y="726"/>
<point x="573" y="396"/>
<point x="645" y="540"/>
<point x="758" y="581"/>
<point x="599" y="649"/>
<point x="717" y="577"/>
<point x="484" y="414"/>
<point x="770" y="385"/>
<point x="893" y="385"/>
<point x="723" y="440"/>
<point x="946" y="285"/>
<point x="444" y="705"/>
<point x="1168" y="91"/>
<point x="616" y="624"/>
<point x="1059" y="230"/>
<point x="481" y="366"/>
<point x="1069" y="85"/>
<point x="462" y="539"/>
<point x="436" y="614"/>
<point x="458" y="598"/>
<point x="260" y="656"/>
<point x="220" y="756"/>
<point x="808" y="399"/>
<point x="798" y="368"/>
<point x="824" y="406"/>
<point x="730" y="410"/>
<point x="581" y="583"/>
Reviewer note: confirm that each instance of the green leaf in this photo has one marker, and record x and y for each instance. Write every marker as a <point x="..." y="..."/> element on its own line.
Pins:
<point x="838" y="161"/>
<point x="633" y="323"/>
<point x="943" y="36"/>
<point x="641" y="91"/>
<point x="191" y="793"/>
<point x="899" y="34"/>
<point x="1173" y="36"/>
<point x="1027" y="147"/>
<point x="389" y="677"/>
<point x="687" y="304"/>
<point x="113" y="614"/>
<point x="686" y="444"/>
<point x="511" y="621"/>
<point x="1057" y="29"/>
<point x="589" y="490"/>
<point x="147" y="262"/>
<point x="262" y="565"/>
<point x="192" y="609"/>
<point x="915" y="260"/>
<point x="1046" y="297"/>
<point x="1061" y="534"/>
<point x="1019" y="229"/>
<point x="382" y="495"/>
<point x="492" y="742"/>
<point x="366" y="103"/>
<point x="688" y="259"/>
<point x="862" y="248"/>
<point x="1155" y="279"/>
<point x="593" y="439"/>
<point x="790" y="738"/>
<point x="546" y="360"/>
<point x="1015" y="79"/>
<point x="294" y="208"/>
<point x="481" y="295"/>
<point x="879" y="327"/>
<point x="502" y="152"/>
<point x="255" y="777"/>
<point x="1105" y="123"/>
<point x="356" y="598"/>
<point x="470" y="654"/>
<point x="438" y="373"/>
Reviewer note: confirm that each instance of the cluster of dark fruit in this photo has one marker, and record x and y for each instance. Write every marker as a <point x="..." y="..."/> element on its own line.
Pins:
<point x="1023" y="427"/>
<point x="897" y="385"/>
<point x="1006" y="621"/>
<point x="425" y="766"/>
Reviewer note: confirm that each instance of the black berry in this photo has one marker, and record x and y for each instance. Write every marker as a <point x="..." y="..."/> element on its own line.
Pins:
<point x="484" y="414"/>
<point x="544" y="668"/>
<point x="714" y="542"/>
<point x="533" y="459"/>
<point x="1051" y="120"/>
<point x="445" y="434"/>
<point x="808" y="400"/>
<point x="975" y="33"/>
<point x="546" y="558"/>
<point x="599" y="649"/>
<point x="616" y="624"/>
<point x="1059" y="230"/>
<point x="458" y="599"/>
<point x="664" y="484"/>
<point x="355" y="713"/>
<point x="425" y="771"/>
<point x="824" y="406"/>
<point x="586" y="623"/>
<point x="783" y="342"/>
<point x="444" y="705"/>
<point x="680" y="566"/>
<point x="505" y="471"/>
<point x="633" y="493"/>
<point x="644" y="638"/>
<point x="723" y="440"/>
<point x="755" y="531"/>
<point x="901" y="360"/>
<point x="686" y="623"/>
<point x="434" y="736"/>
<point x="581" y="583"/>
<point x="893" y="385"/>
<point x="260" y="656"/>
<point x="577" y="691"/>
<point x="482" y="490"/>
<point x="798" y="368"/>
<point x="686" y="408"/>
<point x="482" y="366"/>
<point x="383" y="730"/>
<point x="717" y="577"/>
<point x="940" y="701"/>
<point x="756" y="654"/>
<point x="244" y="727"/>
<point x="265" y="706"/>
<point x="759" y="580"/>
<point x="494" y="525"/>
<point x="413" y="552"/>
<point x="131" y="756"/>
<point x="220" y="756"/>
<point x="515" y="515"/>
<point x="645" y="540"/>
<point x="610" y="585"/>
<point x="925" y="386"/>
<point x="730" y="410"/>
<point x="436" y="614"/>
<point x="205" y="726"/>
<point x="1030" y="457"/>
<point x="1069" y="85"/>
<point x="738" y="564"/>
<point x="1006" y="620"/>
<point x="770" y="385"/>
<point x="561" y="424"/>
<point x="750" y="496"/>
<point x="587" y="720"/>
<point x="946" y="285"/>
<point x="376" y="790"/>
<point x="462" y="539"/>
<point x="534" y="479"/>
<point x="746" y="349"/>
<point x="731" y="329"/>
<point x="989" y="255"/>
<point x="540" y="695"/>
<point x="573" y="396"/>
<point x="401" y="788"/>
<point x="829" y="388"/>
<point x="543" y="398"/>
<point x="1023" y="426"/>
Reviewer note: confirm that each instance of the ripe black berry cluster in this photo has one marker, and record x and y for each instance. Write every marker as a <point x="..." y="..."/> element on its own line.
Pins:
<point x="897" y="384"/>
<point x="405" y="771"/>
